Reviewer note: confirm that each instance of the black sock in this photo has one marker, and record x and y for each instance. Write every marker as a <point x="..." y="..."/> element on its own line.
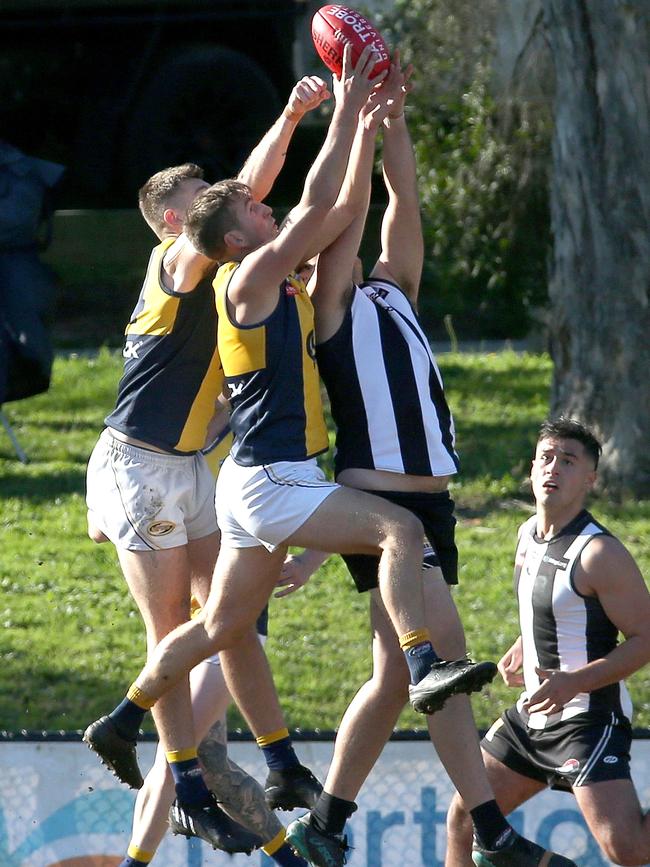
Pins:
<point x="490" y="826"/>
<point x="331" y="813"/>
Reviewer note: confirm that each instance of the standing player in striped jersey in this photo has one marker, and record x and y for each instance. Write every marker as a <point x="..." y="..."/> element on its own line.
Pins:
<point x="395" y="439"/>
<point x="577" y="588"/>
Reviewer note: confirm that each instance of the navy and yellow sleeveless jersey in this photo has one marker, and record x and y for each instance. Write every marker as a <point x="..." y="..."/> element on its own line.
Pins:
<point x="172" y="372"/>
<point x="272" y="378"/>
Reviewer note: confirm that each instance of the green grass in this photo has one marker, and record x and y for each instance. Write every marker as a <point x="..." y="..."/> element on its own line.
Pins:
<point x="71" y="640"/>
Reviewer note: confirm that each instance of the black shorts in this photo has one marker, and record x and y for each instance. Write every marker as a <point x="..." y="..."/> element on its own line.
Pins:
<point x="436" y="511"/>
<point x="563" y="755"/>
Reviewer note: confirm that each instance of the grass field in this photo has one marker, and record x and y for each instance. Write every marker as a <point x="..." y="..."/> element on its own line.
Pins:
<point x="71" y="640"/>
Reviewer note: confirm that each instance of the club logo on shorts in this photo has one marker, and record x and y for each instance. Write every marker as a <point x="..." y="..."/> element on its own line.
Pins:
<point x="610" y="760"/>
<point x="571" y="766"/>
<point x="160" y="528"/>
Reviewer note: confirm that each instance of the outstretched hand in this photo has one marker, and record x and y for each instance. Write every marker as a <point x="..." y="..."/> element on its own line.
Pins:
<point x="293" y="575"/>
<point x="307" y="94"/>
<point x="386" y="101"/>
<point x="397" y="85"/>
<point x="355" y="85"/>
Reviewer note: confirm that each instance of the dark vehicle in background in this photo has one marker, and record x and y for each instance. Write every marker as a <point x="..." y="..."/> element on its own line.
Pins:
<point x="117" y="89"/>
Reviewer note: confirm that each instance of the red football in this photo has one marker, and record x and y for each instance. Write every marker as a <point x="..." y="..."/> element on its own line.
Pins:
<point x="334" y="25"/>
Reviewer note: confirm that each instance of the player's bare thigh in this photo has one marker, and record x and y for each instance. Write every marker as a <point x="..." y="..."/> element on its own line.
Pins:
<point x="160" y="583"/>
<point x="510" y="788"/>
<point x="243" y="581"/>
<point x="613" y="813"/>
<point x="202" y="554"/>
<point x="351" y="521"/>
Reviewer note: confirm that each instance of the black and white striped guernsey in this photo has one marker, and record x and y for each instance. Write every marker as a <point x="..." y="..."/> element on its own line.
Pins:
<point x="385" y="388"/>
<point x="561" y="629"/>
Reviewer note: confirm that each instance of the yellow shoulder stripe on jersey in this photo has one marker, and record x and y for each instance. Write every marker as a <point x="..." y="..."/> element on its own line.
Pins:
<point x="243" y="350"/>
<point x="160" y="308"/>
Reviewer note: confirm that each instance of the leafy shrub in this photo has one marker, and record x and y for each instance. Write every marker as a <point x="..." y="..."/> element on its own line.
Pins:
<point x="482" y="172"/>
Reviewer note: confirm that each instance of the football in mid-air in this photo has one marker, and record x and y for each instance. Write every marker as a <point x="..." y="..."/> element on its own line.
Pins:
<point x="333" y="25"/>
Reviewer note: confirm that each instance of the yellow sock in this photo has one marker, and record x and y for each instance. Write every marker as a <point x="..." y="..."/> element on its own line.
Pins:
<point x="416" y="636"/>
<point x="139" y="854"/>
<point x="273" y="845"/>
<point x="272" y="737"/>
<point x="138" y="697"/>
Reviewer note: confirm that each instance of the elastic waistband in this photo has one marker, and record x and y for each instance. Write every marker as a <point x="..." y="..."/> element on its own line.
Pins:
<point x="426" y="496"/>
<point x="145" y="455"/>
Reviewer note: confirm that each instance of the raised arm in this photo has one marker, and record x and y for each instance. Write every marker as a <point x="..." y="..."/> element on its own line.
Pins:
<point x="183" y="265"/>
<point x="402" y="246"/>
<point x="334" y="271"/>
<point x="262" y="167"/>
<point x="332" y="281"/>
<point x="262" y="270"/>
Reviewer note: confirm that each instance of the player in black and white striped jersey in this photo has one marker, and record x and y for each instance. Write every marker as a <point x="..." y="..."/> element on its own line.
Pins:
<point x="395" y="439"/>
<point x="577" y="588"/>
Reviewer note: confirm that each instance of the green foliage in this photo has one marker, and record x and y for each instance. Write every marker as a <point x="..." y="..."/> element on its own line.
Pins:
<point x="72" y="641"/>
<point x="481" y="172"/>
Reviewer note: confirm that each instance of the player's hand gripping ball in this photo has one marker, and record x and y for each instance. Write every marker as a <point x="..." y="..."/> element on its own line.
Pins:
<point x="334" y="25"/>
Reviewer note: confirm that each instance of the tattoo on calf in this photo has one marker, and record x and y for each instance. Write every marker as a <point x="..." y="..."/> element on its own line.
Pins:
<point x="239" y="794"/>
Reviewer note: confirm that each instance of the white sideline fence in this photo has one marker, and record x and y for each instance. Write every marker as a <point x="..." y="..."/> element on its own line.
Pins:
<point x="60" y="808"/>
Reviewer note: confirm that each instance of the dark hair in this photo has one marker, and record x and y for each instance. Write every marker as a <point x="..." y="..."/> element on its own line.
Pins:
<point x="210" y="217"/>
<point x="564" y="428"/>
<point x="154" y="194"/>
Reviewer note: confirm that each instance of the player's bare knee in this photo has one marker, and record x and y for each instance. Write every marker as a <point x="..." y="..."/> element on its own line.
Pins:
<point x="459" y="821"/>
<point x="405" y="532"/>
<point x="392" y="683"/>
<point x="621" y="846"/>
<point x="166" y="618"/>
<point x="223" y="631"/>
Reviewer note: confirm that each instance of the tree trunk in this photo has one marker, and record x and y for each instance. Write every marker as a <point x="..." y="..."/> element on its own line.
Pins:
<point x="599" y="274"/>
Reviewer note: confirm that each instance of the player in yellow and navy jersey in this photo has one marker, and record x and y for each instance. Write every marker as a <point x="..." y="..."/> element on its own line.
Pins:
<point x="169" y="344"/>
<point x="150" y="490"/>
<point x="272" y="380"/>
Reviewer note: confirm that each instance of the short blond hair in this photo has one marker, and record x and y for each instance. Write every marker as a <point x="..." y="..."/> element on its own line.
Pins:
<point x="155" y="194"/>
<point x="211" y="216"/>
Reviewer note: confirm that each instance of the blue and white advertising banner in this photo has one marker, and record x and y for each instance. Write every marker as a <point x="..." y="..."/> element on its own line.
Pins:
<point x="60" y="808"/>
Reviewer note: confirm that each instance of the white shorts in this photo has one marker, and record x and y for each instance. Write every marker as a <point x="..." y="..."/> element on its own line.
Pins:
<point x="264" y="505"/>
<point x="146" y="501"/>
